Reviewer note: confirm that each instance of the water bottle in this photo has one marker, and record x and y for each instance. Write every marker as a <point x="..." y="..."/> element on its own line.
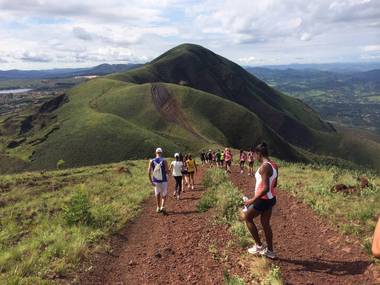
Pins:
<point x="245" y="209"/>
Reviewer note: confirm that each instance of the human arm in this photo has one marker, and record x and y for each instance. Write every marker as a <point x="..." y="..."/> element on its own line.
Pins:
<point x="171" y="167"/>
<point x="376" y="241"/>
<point x="166" y="167"/>
<point x="150" y="172"/>
<point x="266" y="172"/>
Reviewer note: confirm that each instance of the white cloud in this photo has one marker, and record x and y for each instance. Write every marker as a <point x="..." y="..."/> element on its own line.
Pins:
<point x="41" y="33"/>
<point x="371" y="48"/>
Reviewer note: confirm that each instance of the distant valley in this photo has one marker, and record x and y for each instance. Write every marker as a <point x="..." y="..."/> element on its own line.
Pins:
<point x="351" y="98"/>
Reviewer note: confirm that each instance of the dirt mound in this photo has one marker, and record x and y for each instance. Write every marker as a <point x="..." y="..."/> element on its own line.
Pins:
<point x="342" y="188"/>
<point x="363" y="182"/>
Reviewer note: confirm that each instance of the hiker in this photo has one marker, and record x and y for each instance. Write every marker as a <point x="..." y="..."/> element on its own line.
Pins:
<point x="250" y="162"/>
<point x="243" y="157"/>
<point x="213" y="158"/>
<point x="191" y="168"/>
<point x="228" y="159"/>
<point x="203" y="158"/>
<point x="185" y="173"/>
<point x="218" y="158"/>
<point x="176" y="168"/>
<point x="376" y="241"/>
<point x="222" y="159"/>
<point x="209" y="157"/>
<point x="263" y="201"/>
<point x="158" y="168"/>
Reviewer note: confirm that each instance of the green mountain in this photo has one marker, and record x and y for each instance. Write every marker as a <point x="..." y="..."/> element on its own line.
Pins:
<point x="187" y="99"/>
<point x="199" y="68"/>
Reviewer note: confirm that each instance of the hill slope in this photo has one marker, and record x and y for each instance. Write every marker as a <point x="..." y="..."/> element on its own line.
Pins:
<point x="107" y="120"/>
<point x="202" y="69"/>
<point x="187" y="99"/>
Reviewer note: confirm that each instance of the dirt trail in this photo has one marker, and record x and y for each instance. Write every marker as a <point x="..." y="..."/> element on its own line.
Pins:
<point x="171" y="249"/>
<point x="309" y="250"/>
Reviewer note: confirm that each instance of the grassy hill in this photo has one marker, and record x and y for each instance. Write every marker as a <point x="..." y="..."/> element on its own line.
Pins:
<point x="107" y="121"/>
<point x="200" y="68"/>
<point x="187" y="99"/>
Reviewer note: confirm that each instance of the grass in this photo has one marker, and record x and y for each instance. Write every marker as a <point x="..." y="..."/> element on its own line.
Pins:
<point x="354" y="214"/>
<point x="51" y="221"/>
<point x="103" y="108"/>
<point x="222" y="195"/>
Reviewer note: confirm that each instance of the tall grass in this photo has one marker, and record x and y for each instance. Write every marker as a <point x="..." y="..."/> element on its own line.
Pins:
<point x="353" y="214"/>
<point x="51" y="221"/>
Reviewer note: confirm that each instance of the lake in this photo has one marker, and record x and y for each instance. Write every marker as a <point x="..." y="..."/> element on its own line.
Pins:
<point x="14" y="91"/>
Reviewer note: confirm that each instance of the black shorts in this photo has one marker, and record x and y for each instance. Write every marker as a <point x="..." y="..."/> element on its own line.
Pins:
<point x="263" y="205"/>
<point x="250" y="163"/>
<point x="228" y="162"/>
<point x="185" y="172"/>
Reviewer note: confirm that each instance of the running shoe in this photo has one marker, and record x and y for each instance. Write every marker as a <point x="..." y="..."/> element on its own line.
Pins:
<point x="162" y="209"/>
<point x="158" y="210"/>
<point x="178" y="197"/>
<point x="268" y="253"/>
<point x="256" y="249"/>
<point x="192" y="187"/>
<point x="174" y="193"/>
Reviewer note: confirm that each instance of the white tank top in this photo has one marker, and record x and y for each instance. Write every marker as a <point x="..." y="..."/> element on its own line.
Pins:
<point x="272" y="181"/>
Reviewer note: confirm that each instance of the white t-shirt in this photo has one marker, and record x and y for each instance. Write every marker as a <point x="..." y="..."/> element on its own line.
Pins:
<point x="177" y="168"/>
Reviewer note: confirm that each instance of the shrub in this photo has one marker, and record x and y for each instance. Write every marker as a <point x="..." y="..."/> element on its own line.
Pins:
<point x="60" y="163"/>
<point x="78" y="209"/>
<point x="207" y="201"/>
<point x="229" y="200"/>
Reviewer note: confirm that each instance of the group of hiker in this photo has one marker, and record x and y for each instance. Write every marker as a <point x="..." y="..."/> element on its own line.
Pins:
<point x="224" y="159"/>
<point x="183" y="169"/>
<point x="218" y="158"/>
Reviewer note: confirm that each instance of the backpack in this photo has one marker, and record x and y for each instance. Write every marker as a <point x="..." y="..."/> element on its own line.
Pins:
<point x="157" y="171"/>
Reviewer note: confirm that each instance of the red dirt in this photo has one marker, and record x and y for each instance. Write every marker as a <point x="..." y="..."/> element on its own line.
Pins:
<point x="167" y="249"/>
<point x="176" y="248"/>
<point x="309" y="250"/>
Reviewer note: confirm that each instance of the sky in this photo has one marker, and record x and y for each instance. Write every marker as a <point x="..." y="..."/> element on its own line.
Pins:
<point x="38" y="34"/>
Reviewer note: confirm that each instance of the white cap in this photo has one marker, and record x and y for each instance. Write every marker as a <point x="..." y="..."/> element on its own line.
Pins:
<point x="158" y="150"/>
<point x="176" y="154"/>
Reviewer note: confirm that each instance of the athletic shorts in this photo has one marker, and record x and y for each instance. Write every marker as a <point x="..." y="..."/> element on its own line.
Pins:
<point x="250" y="163"/>
<point x="191" y="172"/>
<point x="263" y="205"/>
<point x="161" y="188"/>
<point x="228" y="162"/>
<point x="184" y="172"/>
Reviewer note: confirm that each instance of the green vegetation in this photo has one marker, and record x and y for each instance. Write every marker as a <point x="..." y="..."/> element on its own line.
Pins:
<point x="351" y="98"/>
<point x="50" y="221"/>
<point x="227" y="201"/>
<point x="353" y="214"/>
<point x="211" y="101"/>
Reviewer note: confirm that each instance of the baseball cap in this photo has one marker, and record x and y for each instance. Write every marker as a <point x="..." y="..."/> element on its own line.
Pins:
<point x="176" y="154"/>
<point x="158" y="150"/>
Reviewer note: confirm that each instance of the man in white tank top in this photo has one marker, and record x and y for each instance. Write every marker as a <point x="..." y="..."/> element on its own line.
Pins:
<point x="262" y="202"/>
